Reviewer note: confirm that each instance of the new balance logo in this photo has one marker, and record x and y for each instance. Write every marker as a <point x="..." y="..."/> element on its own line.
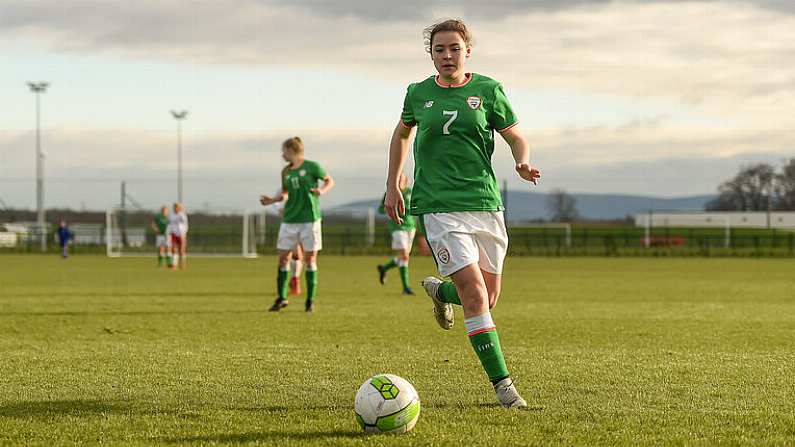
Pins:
<point x="485" y="347"/>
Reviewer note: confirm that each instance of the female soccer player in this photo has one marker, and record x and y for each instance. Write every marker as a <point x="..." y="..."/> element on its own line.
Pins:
<point x="162" y="241"/>
<point x="296" y="258"/>
<point x="455" y="190"/>
<point x="178" y="233"/>
<point x="402" y="238"/>
<point x="301" y="223"/>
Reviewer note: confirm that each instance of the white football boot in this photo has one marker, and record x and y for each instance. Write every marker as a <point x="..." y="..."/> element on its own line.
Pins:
<point x="507" y="394"/>
<point x="441" y="310"/>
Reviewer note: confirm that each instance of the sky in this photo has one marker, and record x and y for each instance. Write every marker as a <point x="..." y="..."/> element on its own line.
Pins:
<point x="662" y="98"/>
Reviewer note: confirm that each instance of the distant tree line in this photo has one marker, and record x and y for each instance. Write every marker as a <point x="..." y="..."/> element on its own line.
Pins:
<point x="758" y="187"/>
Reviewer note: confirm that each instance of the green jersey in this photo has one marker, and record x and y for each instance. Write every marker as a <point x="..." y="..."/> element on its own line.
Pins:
<point x="454" y="143"/>
<point x="161" y="222"/>
<point x="409" y="222"/>
<point x="302" y="206"/>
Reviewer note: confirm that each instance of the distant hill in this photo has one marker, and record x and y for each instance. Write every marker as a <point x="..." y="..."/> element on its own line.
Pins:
<point x="532" y="205"/>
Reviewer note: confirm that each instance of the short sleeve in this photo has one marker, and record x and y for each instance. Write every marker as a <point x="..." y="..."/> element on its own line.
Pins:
<point x="319" y="171"/>
<point x="501" y="117"/>
<point x="407" y="118"/>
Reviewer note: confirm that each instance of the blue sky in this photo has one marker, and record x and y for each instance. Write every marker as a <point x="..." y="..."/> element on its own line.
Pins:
<point x="658" y="98"/>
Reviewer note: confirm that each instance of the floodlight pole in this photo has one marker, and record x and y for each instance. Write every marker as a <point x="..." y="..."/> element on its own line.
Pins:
<point x="179" y="116"/>
<point x="38" y="88"/>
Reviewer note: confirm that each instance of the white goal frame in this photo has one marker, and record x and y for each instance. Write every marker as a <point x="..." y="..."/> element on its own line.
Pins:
<point x="253" y="235"/>
<point x="566" y="227"/>
<point x="683" y="220"/>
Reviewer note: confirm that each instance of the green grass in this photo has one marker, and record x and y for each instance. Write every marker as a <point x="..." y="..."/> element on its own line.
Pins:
<point x="610" y="351"/>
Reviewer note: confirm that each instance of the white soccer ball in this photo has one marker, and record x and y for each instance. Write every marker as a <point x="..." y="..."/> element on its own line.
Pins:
<point x="387" y="403"/>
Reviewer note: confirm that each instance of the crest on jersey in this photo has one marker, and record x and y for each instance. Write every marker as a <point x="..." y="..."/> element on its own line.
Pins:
<point x="473" y="102"/>
<point x="428" y="104"/>
<point x="444" y="256"/>
<point x="302" y="172"/>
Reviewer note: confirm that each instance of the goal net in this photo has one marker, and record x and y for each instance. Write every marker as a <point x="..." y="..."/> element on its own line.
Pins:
<point x="132" y="233"/>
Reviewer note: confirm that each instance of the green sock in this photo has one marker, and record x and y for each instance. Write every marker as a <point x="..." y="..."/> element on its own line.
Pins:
<point x="169" y="260"/>
<point x="281" y="284"/>
<point x="448" y="293"/>
<point x="311" y="284"/>
<point x="159" y="260"/>
<point x="389" y="265"/>
<point x="404" y="276"/>
<point x="486" y="343"/>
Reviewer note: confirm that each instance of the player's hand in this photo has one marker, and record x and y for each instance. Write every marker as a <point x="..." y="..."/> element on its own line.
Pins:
<point x="316" y="191"/>
<point x="265" y="200"/>
<point x="528" y="172"/>
<point x="394" y="205"/>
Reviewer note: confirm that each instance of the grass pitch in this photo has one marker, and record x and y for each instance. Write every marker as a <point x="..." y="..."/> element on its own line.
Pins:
<point x="610" y="351"/>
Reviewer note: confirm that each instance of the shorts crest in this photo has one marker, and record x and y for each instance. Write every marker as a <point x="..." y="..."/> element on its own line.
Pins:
<point x="444" y="256"/>
<point x="474" y="102"/>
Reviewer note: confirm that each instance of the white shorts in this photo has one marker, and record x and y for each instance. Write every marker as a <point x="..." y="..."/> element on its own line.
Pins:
<point x="307" y="234"/>
<point x="402" y="239"/>
<point x="162" y="241"/>
<point x="467" y="237"/>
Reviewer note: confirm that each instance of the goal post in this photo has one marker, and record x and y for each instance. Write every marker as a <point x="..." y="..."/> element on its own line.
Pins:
<point x="241" y="233"/>
<point x="563" y="226"/>
<point x="254" y="222"/>
<point x="684" y="220"/>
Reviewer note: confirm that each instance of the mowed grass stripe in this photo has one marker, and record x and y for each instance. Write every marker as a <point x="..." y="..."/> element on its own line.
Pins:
<point x="610" y="351"/>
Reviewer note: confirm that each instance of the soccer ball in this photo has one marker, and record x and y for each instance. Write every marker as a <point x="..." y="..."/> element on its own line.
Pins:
<point x="387" y="403"/>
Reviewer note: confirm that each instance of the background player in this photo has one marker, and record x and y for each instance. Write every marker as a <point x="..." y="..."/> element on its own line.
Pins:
<point x="64" y="236"/>
<point x="162" y="242"/>
<point x="455" y="191"/>
<point x="296" y="256"/>
<point x="178" y="233"/>
<point x="301" y="223"/>
<point x="402" y="238"/>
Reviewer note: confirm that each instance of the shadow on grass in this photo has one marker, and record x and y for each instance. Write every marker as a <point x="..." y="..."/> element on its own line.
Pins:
<point x="132" y="312"/>
<point x="77" y="407"/>
<point x="144" y="294"/>
<point x="244" y="438"/>
<point x="490" y="405"/>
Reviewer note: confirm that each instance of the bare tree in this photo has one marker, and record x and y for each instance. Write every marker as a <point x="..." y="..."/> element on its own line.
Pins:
<point x="785" y="187"/>
<point x="562" y="206"/>
<point x="752" y="189"/>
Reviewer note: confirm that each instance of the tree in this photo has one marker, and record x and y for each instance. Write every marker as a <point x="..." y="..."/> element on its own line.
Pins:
<point x="752" y="189"/>
<point x="562" y="206"/>
<point x="785" y="187"/>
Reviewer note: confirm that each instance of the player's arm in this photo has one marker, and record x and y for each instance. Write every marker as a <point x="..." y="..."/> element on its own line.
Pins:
<point x="521" y="154"/>
<point x="398" y="149"/>
<point x="268" y="200"/>
<point x="328" y="183"/>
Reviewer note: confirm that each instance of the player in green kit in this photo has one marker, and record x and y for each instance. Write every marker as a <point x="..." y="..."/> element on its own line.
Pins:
<point x="160" y="226"/>
<point x="455" y="194"/>
<point x="301" y="222"/>
<point x="402" y="238"/>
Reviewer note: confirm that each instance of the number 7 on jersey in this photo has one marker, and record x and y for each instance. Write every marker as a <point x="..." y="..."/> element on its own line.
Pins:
<point x="453" y="115"/>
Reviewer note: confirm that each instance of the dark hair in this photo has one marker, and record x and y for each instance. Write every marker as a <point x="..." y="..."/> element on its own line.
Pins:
<point x="446" y="25"/>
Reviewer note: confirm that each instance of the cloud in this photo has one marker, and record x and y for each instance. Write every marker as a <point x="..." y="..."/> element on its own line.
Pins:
<point x="730" y="62"/>
<point x="727" y="59"/>
<point x="229" y="170"/>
